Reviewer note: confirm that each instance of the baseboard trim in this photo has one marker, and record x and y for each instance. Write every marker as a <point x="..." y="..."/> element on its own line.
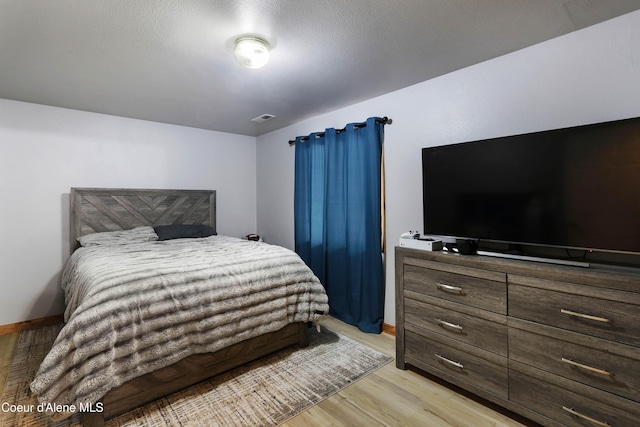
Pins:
<point x="30" y="324"/>
<point x="389" y="329"/>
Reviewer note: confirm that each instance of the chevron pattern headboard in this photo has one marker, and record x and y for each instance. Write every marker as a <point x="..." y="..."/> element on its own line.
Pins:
<point x="96" y="210"/>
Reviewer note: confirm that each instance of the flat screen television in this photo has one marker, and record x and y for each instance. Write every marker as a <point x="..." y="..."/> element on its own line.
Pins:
<point x="564" y="193"/>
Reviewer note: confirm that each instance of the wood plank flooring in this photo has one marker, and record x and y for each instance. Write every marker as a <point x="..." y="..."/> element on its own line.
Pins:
<point x="393" y="397"/>
<point x="7" y="349"/>
<point x="388" y="397"/>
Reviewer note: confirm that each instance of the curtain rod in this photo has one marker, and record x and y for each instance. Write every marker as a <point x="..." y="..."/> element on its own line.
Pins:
<point x="385" y="121"/>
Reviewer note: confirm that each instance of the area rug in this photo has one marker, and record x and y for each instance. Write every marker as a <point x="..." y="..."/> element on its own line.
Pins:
<point x="267" y="392"/>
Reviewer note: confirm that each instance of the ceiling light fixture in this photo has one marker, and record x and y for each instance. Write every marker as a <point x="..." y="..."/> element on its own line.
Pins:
<point x="251" y="52"/>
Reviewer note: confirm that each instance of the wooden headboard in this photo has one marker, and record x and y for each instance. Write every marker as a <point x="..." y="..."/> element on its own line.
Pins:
<point x="96" y="210"/>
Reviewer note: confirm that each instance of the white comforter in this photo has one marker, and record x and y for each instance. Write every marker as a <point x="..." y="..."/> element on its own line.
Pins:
<point x="132" y="309"/>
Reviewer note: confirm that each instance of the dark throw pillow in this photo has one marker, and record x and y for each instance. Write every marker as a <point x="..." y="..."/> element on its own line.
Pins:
<point x="182" y="231"/>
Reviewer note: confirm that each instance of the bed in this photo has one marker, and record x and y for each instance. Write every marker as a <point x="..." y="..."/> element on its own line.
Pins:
<point x="148" y="318"/>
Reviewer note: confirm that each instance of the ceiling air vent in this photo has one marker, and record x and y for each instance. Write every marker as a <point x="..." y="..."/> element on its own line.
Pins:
<point x="262" y="118"/>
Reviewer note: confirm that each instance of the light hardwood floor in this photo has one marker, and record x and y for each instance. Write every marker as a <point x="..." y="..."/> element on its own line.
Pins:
<point x="387" y="397"/>
<point x="393" y="397"/>
<point x="7" y="349"/>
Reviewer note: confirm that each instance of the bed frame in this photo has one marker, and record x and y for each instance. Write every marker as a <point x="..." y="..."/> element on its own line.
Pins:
<point x="107" y="209"/>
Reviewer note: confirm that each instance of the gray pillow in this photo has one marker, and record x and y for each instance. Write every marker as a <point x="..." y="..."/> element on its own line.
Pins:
<point x="181" y="231"/>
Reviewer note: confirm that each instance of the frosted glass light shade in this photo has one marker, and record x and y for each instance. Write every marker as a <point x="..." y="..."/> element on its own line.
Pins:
<point x="251" y="52"/>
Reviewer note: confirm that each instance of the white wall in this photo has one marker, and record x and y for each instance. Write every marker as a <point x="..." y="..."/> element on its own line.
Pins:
<point x="589" y="76"/>
<point x="44" y="151"/>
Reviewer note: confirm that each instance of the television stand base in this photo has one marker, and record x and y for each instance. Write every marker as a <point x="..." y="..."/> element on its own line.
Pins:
<point x="583" y="264"/>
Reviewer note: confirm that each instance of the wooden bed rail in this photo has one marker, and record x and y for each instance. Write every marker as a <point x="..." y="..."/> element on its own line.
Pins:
<point x="192" y="370"/>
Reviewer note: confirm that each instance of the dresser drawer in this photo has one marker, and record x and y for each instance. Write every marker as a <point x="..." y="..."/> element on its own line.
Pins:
<point x="456" y="361"/>
<point x="569" y="402"/>
<point x="599" y="363"/>
<point x="606" y="313"/>
<point x="483" y="329"/>
<point x="464" y="285"/>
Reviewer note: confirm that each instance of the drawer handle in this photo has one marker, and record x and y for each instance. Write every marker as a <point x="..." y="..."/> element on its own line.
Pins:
<point x="587" y="367"/>
<point x="449" y="288"/>
<point x="585" y="316"/>
<point x="450" y="362"/>
<point x="449" y="325"/>
<point x="586" y="418"/>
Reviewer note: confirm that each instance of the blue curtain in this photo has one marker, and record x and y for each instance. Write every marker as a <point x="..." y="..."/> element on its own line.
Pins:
<point x="337" y="214"/>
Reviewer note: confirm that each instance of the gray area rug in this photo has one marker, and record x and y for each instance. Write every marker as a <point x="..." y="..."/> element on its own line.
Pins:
<point x="266" y="392"/>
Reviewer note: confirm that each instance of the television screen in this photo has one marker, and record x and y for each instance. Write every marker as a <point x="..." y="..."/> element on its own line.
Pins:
<point x="572" y="188"/>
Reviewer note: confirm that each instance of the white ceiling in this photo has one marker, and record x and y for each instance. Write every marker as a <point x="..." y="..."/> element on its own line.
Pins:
<point x="171" y="61"/>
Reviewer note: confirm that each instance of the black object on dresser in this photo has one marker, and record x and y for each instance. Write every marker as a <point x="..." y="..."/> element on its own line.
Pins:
<point x="559" y="345"/>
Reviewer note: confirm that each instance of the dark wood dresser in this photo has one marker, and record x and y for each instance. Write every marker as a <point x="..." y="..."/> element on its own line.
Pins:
<point x="557" y="344"/>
